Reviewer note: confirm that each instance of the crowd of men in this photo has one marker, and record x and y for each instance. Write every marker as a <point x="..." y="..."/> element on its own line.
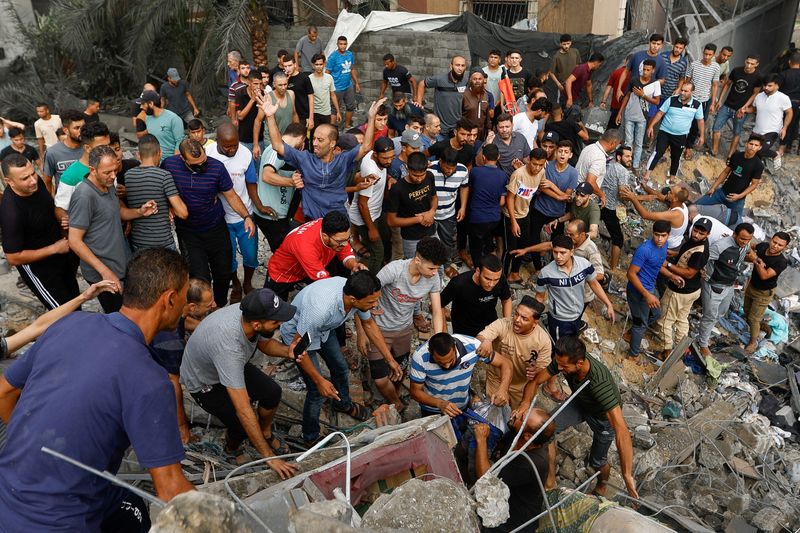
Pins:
<point x="366" y="222"/>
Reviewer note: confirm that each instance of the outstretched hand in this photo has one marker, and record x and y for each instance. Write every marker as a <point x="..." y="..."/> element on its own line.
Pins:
<point x="373" y="108"/>
<point x="266" y="105"/>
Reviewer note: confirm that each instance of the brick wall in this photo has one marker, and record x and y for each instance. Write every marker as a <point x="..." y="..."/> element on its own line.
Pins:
<point x="424" y="53"/>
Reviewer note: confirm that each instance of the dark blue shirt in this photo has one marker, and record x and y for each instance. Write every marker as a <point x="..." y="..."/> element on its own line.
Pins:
<point x="635" y="64"/>
<point x="324" y="183"/>
<point x="200" y="192"/>
<point x="567" y="179"/>
<point x="90" y="389"/>
<point x="649" y="259"/>
<point x="487" y="185"/>
<point x="168" y="348"/>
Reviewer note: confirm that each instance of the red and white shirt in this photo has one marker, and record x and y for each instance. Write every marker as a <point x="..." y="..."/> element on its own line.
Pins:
<point x="303" y="255"/>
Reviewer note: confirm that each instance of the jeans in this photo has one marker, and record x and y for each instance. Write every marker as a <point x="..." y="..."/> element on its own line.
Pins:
<point x="642" y="316"/>
<point x="409" y="249"/>
<point x="248" y="246"/>
<point x="716" y="301"/>
<point x="725" y="114"/>
<point x="331" y="353"/>
<point x="208" y="254"/>
<point x="602" y="432"/>
<point x="720" y="197"/>
<point x="634" y="136"/>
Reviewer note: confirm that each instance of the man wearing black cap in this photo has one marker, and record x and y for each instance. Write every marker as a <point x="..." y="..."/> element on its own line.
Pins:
<point x="217" y="372"/>
<point x="584" y="208"/>
<point x="165" y="125"/>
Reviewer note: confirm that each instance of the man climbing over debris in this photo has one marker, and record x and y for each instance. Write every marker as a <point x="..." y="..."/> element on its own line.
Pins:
<point x="599" y="405"/>
<point x="768" y="263"/>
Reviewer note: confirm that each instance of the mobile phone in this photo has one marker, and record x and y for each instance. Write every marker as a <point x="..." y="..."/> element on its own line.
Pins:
<point x="302" y="345"/>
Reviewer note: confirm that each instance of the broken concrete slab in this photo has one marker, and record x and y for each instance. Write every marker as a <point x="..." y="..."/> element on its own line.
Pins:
<point x="668" y="376"/>
<point x="770" y="520"/>
<point x="737" y="525"/>
<point x="197" y="512"/>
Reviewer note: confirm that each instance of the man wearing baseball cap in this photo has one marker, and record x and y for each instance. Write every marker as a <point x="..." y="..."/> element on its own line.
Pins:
<point x="584" y="208"/>
<point x="366" y="210"/>
<point x="683" y="288"/>
<point x="217" y="372"/>
<point x="165" y="125"/>
<point x="175" y="97"/>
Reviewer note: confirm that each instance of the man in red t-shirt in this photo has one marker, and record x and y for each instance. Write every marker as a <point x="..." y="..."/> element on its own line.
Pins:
<point x="579" y="81"/>
<point x="306" y="252"/>
<point x="610" y="90"/>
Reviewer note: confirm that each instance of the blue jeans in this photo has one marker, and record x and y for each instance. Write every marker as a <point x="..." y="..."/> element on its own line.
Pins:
<point x="642" y="316"/>
<point x="331" y="353"/>
<point x="248" y="246"/>
<point x="719" y="197"/>
<point x="634" y="136"/>
<point x="725" y="114"/>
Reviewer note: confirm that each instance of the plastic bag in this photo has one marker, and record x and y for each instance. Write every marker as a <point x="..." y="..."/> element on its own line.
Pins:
<point x="495" y="415"/>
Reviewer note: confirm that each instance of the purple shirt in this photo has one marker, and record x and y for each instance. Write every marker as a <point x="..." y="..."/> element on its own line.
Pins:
<point x="200" y="192"/>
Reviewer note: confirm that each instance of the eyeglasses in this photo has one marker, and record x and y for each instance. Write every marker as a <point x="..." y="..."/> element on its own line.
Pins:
<point x="338" y="243"/>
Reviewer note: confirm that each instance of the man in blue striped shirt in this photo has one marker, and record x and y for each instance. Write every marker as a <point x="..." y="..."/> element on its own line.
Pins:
<point x="441" y="370"/>
<point x="452" y="180"/>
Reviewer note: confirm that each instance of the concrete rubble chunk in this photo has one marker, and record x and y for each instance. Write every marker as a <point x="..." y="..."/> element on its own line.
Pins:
<point x="492" y="497"/>
<point x="198" y="512"/>
<point x="737" y="525"/>
<point x="436" y="506"/>
<point x="642" y="438"/>
<point x="634" y="415"/>
<point x="739" y="503"/>
<point x="332" y="516"/>
<point x="786" y="416"/>
<point x="769" y="520"/>
<point x="755" y="436"/>
<point x="705" y="504"/>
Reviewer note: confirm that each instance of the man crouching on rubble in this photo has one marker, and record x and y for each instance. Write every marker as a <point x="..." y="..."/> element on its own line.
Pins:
<point x="526" y="498"/>
<point x="599" y="405"/>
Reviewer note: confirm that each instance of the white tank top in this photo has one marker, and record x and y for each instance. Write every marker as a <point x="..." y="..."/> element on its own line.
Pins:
<point x="676" y="234"/>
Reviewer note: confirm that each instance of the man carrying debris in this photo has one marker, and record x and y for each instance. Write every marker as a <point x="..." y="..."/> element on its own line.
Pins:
<point x="768" y="263"/>
<point x="683" y="287"/>
<point x="599" y="405"/>
<point x="217" y="372"/>
<point x="526" y="499"/>
<point x="725" y="259"/>
<point x="521" y="340"/>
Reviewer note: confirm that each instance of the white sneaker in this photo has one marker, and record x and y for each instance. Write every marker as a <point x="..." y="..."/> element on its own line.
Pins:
<point x="777" y="161"/>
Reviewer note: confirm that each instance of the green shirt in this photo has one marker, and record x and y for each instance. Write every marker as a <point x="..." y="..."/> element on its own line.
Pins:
<point x="602" y="394"/>
<point x="168" y="129"/>
<point x="70" y="179"/>
<point x="590" y="213"/>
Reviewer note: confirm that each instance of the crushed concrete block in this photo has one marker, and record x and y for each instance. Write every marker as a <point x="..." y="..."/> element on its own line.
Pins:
<point x="737" y="525"/>
<point x="634" y="416"/>
<point x="447" y="507"/>
<point x="642" y="438"/>
<point x="754" y="436"/>
<point x="710" y="457"/>
<point x="739" y="503"/>
<point x="705" y="504"/>
<point x="769" y="520"/>
<point x="648" y="461"/>
<point x="567" y="468"/>
<point x="577" y="445"/>
<point x="198" y="512"/>
<point x="330" y="515"/>
<point x="786" y="415"/>
<point x="492" y="497"/>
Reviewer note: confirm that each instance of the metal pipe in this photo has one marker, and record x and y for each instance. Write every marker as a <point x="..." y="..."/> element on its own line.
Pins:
<point x="108" y="476"/>
<point x="322" y="443"/>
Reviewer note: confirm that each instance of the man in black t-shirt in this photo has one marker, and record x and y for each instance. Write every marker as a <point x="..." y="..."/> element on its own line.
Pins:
<point x="460" y="141"/>
<point x="741" y="176"/>
<point x="397" y="77"/>
<point x="526" y="497"/>
<point x="18" y="146"/>
<point x="742" y="85"/>
<point x="247" y="108"/>
<point x="567" y="130"/>
<point x="683" y="286"/>
<point x="474" y="295"/>
<point x="790" y="86"/>
<point x="519" y="76"/>
<point x="412" y="204"/>
<point x="300" y="83"/>
<point x="32" y="237"/>
<point x="768" y="263"/>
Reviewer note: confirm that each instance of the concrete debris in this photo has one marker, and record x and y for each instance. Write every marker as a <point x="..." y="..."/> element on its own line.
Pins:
<point x="492" y="497"/>
<point x="705" y="504"/>
<point x="436" y="506"/>
<point x="770" y="520"/>
<point x="198" y="512"/>
<point x="642" y="437"/>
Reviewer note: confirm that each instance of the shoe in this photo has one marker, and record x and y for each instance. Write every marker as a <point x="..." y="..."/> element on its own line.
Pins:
<point x="777" y="161"/>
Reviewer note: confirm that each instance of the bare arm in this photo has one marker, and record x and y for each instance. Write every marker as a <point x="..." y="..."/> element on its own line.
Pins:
<point x="87" y="256"/>
<point x="419" y="97"/>
<point x="169" y="481"/>
<point x="26" y="257"/>
<point x="183" y="424"/>
<point x="178" y="207"/>
<point x="11" y="124"/>
<point x="189" y="97"/>
<point x="437" y="315"/>
<point x="568" y="89"/>
<point x="9" y="395"/>
<point x="624" y="447"/>
<point x="507" y="307"/>
<point x="382" y="90"/>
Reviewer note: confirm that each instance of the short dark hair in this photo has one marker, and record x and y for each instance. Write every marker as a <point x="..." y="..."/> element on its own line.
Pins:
<point x="416" y="119"/>
<point x="772" y="78"/>
<point x="42" y="104"/>
<point x="197" y="286"/>
<point x="533" y="304"/>
<point x="784" y="236"/>
<point x="317" y="57"/>
<point x="756" y="137"/>
<point x="417" y="161"/>
<point x="495" y="52"/>
<point x="149" y="146"/>
<point x="597" y="57"/>
<point x="491" y="263"/>
<point x="93" y="130"/>
<point x="566" y="143"/>
<point x="656" y="37"/>
<point x="491" y="152"/>
<point x="295" y="129"/>
<point x="361" y="284"/>
<point x="621" y="150"/>
<point x="662" y="226"/>
<point x="398" y="96"/>
<point x="565" y="37"/>
<point x="562" y="241"/>
<point x="441" y="344"/>
<point x="335" y="222"/>
<point x="113" y="138"/>
<point x="464" y="124"/>
<point x="538" y="154"/>
<point x="649" y="62"/>
<point x="504" y="117"/>
<point x="753" y="56"/>
<point x="571" y="347"/>
<point x="195" y="124"/>
<point x="744" y="226"/>
<point x="150" y="274"/>
<point x="190" y="147"/>
<point x="341" y="38"/>
<point x="388" y="57"/>
<point x="449" y="156"/>
<point x="68" y="116"/>
<point x="681" y="40"/>
<point x="13" y="160"/>
<point x="99" y="153"/>
<point x="542" y="104"/>
<point x="513" y="51"/>
<point x="433" y="250"/>
<point x="727" y="48"/>
<point x="710" y="46"/>
<point x="282" y="53"/>
<point x="15" y="132"/>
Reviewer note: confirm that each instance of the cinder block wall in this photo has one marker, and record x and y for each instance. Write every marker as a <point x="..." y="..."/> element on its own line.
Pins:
<point x="423" y="53"/>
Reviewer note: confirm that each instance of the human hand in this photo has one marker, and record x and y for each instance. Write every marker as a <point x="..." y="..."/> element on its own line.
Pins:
<point x="481" y="432"/>
<point x="552" y="224"/>
<point x="630" y="484"/>
<point x="783" y="133"/>
<point x="700" y="141"/>
<point x="256" y="150"/>
<point x="652" y="301"/>
<point x="64" y="222"/>
<point x="448" y="408"/>
<point x="282" y="468"/>
<point x="121" y="192"/>
<point x="485" y="348"/>
<point x="267" y="210"/>
<point x="148" y="208"/>
<point x="359" y="266"/>
<point x="531" y="370"/>
<point x="362" y="343"/>
<point x="678" y="281"/>
<point x="515" y="229"/>
<point x="427" y="218"/>
<point x="649" y="133"/>
<point x="310" y="123"/>
<point x="733" y="197"/>
<point x="61" y="246"/>
<point x="610" y="313"/>
<point x="711" y="191"/>
<point x="602" y="105"/>
<point x="297" y="180"/>
<point x="374" y="234"/>
<point x="374" y="106"/>
<point x="625" y="193"/>
<point x="358" y="87"/>
<point x="516" y="163"/>
<point x="618" y="120"/>
<point x="196" y="112"/>
<point x="327" y="390"/>
<point x="518" y="252"/>
<point x="266" y="105"/>
<point x="602" y="197"/>
<point x="568" y="103"/>
<point x="490" y="137"/>
<point x="249" y="226"/>
<point x="520" y="412"/>
<point x="461" y="214"/>
<point x="395" y="371"/>
<point x="740" y="113"/>
<point x="99" y="288"/>
<point x="500" y="397"/>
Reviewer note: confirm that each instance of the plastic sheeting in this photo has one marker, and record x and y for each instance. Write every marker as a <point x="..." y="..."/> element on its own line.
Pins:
<point x="351" y="25"/>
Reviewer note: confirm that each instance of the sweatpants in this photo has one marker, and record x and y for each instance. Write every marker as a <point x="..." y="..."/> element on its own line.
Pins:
<point x="675" y="308"/>
<point x="52" y="282"/>
<point x="208" y="254"/>
<point x="675" y="143"/>
<point x="716" y="301"/>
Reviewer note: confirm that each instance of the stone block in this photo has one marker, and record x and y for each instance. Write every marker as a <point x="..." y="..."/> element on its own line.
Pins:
<point x="201" y="513"/>
<point x="642" y="438"/>
<point x="754" y="436"/>
<point x="634" y="416"/>
<point x="786" y="415"/>
<point x="769" y="520"/>
<point x="737" y="525"/>
<point x="577" y="445"/>
<point x="705" y="504"/>
<point x="567" y="468"/>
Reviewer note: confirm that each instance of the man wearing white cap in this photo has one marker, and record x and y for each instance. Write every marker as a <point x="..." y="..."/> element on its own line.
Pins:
<point x="176" y="97"/>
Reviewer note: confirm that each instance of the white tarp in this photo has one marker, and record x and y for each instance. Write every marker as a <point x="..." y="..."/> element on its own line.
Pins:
<point x="351" y="25"/>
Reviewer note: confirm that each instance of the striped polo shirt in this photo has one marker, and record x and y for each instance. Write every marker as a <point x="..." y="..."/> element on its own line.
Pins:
<point x="600" y="396"/>
<point x="565" y="289"/>
<point x="200" y="192"/>
<point x="703" y="76"/>
<point x="449" y="384"/>
<point x="674" y="72"/>
<point x="447" y="188"/>
<point x="678" y="116"/>
<point x="143" y="184"/>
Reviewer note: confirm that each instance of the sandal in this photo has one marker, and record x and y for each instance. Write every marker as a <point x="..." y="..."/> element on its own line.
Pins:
<point x="357" y="411"/>
<point x="422" y="325"/>
<point x="281" y="448"/>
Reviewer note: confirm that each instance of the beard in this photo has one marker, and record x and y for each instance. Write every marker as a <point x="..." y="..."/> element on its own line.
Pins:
<point x="457" y="77"/>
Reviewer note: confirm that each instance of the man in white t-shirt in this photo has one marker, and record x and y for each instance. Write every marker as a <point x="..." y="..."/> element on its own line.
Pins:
<point x="527" y="122"/>
<point x="642" y="93"/>
<point x="591" y="164"/>
<point x="366" y="210"/>
<point x="46" y="127"/>
<point x="773" y="111"/>
<point x="238" y="161"/>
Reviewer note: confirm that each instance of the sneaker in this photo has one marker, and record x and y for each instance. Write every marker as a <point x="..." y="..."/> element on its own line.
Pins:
<point x="777" y="161"/>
